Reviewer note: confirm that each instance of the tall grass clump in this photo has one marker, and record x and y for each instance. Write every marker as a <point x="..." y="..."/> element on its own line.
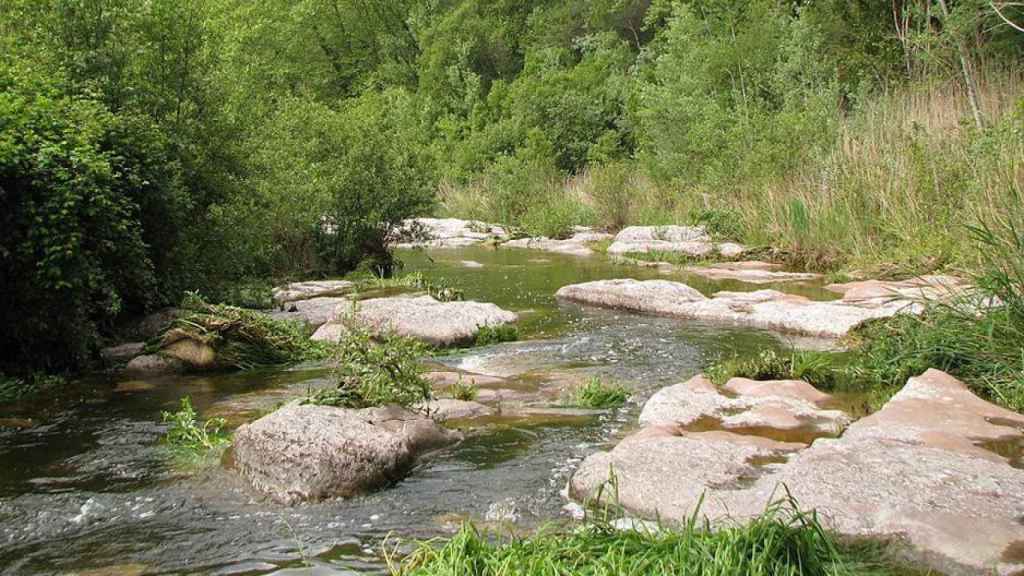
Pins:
<point x="977" y="338"/>
<point x="782" y="542"/>
<point x="598" y="394"/>
<point x="375" y="371"/>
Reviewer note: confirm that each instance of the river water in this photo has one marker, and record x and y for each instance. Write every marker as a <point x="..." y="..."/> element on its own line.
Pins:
<point x="89" y="489"/>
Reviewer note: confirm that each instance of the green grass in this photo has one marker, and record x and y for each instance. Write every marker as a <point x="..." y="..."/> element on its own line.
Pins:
<point x="782" y="542"/>
<point x="821" y="369"/>
<point x="598" y="394"/>
<point x="191" y="439"/>
<point x="462" y="390"/>
<point x="488" y="335"/>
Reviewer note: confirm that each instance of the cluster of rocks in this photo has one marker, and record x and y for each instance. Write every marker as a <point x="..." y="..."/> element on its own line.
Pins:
<point x="688" y="240"/>
<point x="929" y="472"/>
<point x="763" y="309"/>
<point x="447" y="233"/>
<point x="579" y="244"/>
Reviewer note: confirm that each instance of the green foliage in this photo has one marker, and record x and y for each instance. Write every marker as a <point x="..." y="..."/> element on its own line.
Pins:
<point x="598" y="394"/>
<point x="244" y="339"/>
<point x="189" y="437"/>
<point x="375" y="372"/>
<point x="488" y="335"/>
<point x="464" y="391"/>
<point x="15" y="389"/>
<point x="820" y="369"/>
<point x="781" y="542"/>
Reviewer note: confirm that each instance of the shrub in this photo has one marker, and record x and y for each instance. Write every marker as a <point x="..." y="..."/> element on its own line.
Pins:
<point x="377" y="372"/>
<point x="187" y="436"/>
<point x="598" y="394"/>
<point x="488" y="335"/>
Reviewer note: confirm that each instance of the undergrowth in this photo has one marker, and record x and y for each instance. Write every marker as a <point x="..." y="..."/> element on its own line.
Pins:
<point x="783" y="541"/>
<point x="465" y="391"/>
<point x="243" y="339"/>
<point x="375" y="371"/>
<point x="488" y="335"/>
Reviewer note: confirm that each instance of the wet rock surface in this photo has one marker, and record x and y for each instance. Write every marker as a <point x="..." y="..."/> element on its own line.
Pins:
<point x="297" y="291"/>
<point x="764" y="309"/>
<point x="690" y="240"/>
<point x="447" y="233"/>
<point x="577" y="245"/>
<point x="919" y="473"/>
<point x="751" y="272"/>
<point x="422" y="317"/>
<point x="308" y="453"/>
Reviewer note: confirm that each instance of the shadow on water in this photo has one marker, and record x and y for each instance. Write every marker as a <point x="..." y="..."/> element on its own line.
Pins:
<point x="90" y="486"/>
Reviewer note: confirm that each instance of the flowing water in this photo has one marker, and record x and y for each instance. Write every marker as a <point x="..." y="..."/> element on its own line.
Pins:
<point x="89" y="489"/>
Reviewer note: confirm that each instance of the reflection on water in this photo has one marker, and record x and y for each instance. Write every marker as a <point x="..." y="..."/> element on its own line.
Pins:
<point x="90" y="486"/>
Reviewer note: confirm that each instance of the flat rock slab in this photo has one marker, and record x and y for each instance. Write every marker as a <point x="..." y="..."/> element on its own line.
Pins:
<point x="764" y="309"/>
<point x="447" y="233"/>
<point x="314" y="312"/>
<point x="309" y="453"/>
<point x="689" y="240"/>
<point x="786" y="410"/>
<point x="925" y="473"/>
<point x="444" y="409"/>
<point x="577" y="245"/>
<point x="751" y="272"/>
<point x="421" y="317"/>
<point x="297" y="291"/>
<point x="879" y="292"/>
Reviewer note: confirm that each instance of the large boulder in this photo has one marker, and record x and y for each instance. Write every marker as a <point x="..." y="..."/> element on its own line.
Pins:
<point x="421" y="317"/>
<point x="314" y="312"/>
<point x="764" y="309"/>
<point x="309" y="453"/>
<point x="689" y="240"/>
<point x="120" y="354"/>
<point x="446" y="233"/>
<point x="577" y="245"/>
<point x="298" y="291"/>
<point x="934" y="472"/>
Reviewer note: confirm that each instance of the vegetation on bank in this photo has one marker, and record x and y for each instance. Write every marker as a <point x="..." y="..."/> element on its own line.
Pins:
<point x="150" y="148"/>
<point x="783" y="541"/>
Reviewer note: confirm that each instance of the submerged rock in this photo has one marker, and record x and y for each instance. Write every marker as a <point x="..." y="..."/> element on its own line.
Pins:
<point x="765" y="309"/>
<point x="926" y="472"/>
<point x="447" y="233"/>
<point x="690" y="240"/>
<point x="577" y="245"/>
<point x="751" y="272"/>
<point x="298" y="291"/>
<point x="308" y="453"/>
<point x="421" y="317"/>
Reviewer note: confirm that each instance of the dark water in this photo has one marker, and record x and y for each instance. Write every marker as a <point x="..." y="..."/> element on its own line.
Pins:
<point x="90" y="490"/>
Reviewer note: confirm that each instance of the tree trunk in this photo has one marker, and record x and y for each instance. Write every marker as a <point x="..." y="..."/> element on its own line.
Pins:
<point x="968" y="70"/>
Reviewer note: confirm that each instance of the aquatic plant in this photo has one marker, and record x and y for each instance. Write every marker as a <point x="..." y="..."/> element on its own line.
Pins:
<point x="375" y="371"/>
<point x="488" y="335"/>
<point x="461" y="390"/>
<point x="783" y="541"/>
<point x="188" y="436"/>
<point x="598" y="394"/>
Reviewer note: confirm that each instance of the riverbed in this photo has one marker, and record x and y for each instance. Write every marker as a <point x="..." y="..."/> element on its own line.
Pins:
<point x="89" y="488"/>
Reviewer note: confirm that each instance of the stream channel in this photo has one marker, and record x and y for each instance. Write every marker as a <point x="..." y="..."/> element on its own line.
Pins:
<point x="89" y="488"/>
